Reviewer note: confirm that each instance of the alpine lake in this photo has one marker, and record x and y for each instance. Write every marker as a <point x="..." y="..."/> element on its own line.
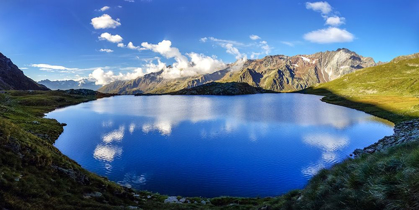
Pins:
<point x="247" y="146"/>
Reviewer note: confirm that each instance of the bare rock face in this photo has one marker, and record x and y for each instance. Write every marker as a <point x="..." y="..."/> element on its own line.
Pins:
<point x="276" y="73"/>
<point x="338" y="63"/>
<point x="139" y="85"/>
<point x="284" y="73"/>
<point x="12" y="78"/>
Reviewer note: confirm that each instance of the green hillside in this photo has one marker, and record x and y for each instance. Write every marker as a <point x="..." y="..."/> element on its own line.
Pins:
<point x="228" y="88"/>
<point x="390" y="91"/>
<point x="35" y="175"/>
<point x="387" y="179"/>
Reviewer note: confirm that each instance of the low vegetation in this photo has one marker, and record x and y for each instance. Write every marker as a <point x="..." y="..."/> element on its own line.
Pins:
<point x="35" y="175"/>
<point x="216" y="88"/>
<point x="389" y="91"/>
<point x="382" y="180"/>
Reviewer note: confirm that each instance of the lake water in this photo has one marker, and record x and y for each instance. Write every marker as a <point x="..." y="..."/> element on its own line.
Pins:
<point x="252" y="145"/>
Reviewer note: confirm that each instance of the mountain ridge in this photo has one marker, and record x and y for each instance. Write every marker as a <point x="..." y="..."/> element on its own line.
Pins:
<point x="279" y="73"/>
<point x="69" y="84"/>
<point x="216" y="88"/>
<point x="12" y="78"/>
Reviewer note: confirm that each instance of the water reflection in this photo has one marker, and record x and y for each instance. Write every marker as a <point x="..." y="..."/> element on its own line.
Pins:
<point x="257" y="145"/>
<point x="164" y="127"/>
<point x="107" y="152"/>
<point x="329" y="144"/>
<point x="168" y="111"/>
<point x="107" y="124"/>
<point x="325" y="141"/>
<point x="116" y="135"/>
<point x="131" y="128"/>
<point x="131" y="179"/>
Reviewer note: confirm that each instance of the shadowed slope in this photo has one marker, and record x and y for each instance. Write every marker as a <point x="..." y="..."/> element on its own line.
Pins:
<point x="215" y="88"/>
<point x="390" y="91"/>
<point x="12" y="78"/>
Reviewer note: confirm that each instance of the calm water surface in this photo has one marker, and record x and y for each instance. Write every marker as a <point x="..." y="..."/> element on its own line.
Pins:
<point x="253" y="145"/>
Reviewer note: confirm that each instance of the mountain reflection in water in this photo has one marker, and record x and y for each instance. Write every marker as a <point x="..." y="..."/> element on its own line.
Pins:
<point x="253" y="145"/>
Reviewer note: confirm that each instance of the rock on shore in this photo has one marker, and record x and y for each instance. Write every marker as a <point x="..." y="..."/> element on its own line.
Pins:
<point x="407" y="131"/>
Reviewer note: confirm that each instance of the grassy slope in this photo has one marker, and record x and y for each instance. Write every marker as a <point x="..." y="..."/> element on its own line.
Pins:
<point x="378" y="181"/>
<point x="215" y="88"/>
<point x="383" y="180"/>
<point x="29" y="178"/>
<point x="390" y="91"/>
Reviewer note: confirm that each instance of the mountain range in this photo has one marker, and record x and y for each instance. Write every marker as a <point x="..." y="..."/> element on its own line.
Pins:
<point x="12" y="78"/>
<point x="276" y="73"/>
<point x="70" y="84"/>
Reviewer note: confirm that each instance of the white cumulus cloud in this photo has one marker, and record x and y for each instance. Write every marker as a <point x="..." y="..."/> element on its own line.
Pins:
<point x="254" y="55"/>
<point x="335" y="21"/>
<point x="232" y="50"/>
<point x="111" y="38"/>
<point x="254" y="37"/>
<point x="229" y="45"/>
<point x="184" y="65"/>
<point x="106" y="50"/>
<point x="165" y="48"/>
<point x="105" y="21"/>
<point x="102" y="78"/>
<point x="132" y="46"/>
<point x="48" y="67"/>
<point x="104" y="8"/>
<point x="288" y="43"/>
<point x="152" y="67"/>
<point x="202" y="64"/>
<point x="329" y="35"/>
<point x="265" y="47"/>
<point x="204" y="39"/>
<point x="320" y="6"/>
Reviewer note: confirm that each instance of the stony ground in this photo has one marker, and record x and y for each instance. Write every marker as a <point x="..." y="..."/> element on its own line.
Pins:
<point x="404" y="132"/>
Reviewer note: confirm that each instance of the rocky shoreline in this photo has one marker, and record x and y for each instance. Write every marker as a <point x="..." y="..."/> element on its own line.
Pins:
<point x="407" y="131"/>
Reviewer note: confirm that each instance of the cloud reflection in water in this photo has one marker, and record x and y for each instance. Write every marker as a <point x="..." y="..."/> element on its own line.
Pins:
<point x="202" y="144"/>
<point x="165" y="128"/>
<point x="132" y="179"/>
<point x="329" y="144"/>
<point x="107" y="152"/>
<point x="116" y="135"/>
<point x="131" y="128"/>
<point x="166" y="112"/>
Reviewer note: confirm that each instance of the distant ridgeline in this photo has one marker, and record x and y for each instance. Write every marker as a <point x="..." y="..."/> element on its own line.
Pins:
<point x="276" y="73"/>
<point x="70" y="84"/>
<point x="12" y="78"/>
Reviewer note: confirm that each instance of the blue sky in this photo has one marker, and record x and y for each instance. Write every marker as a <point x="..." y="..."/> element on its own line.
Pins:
<point x="84" y="39"/>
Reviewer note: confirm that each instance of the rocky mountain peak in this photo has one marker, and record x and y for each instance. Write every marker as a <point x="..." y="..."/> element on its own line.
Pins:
<point x="12" y="78"/>
<point x="273" y="72"/>
<point x="344" y="50"/>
